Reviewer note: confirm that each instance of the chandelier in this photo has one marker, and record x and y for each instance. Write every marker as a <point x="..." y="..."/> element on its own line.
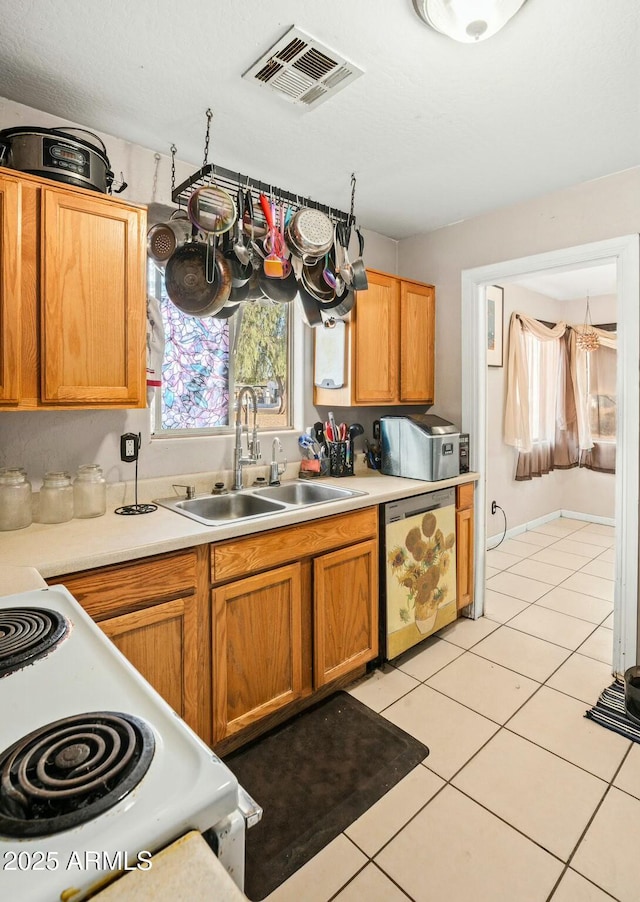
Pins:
<point x="588" y="339"/>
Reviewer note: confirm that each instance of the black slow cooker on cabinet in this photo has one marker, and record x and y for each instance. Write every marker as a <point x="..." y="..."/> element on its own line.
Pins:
<point x="58" y="155"/>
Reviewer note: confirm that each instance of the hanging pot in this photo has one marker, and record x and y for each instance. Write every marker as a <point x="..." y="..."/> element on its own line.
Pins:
<point x="309" y="234"/>
<point x="198" y="280"/>
<point x="164" y="238"/>
<point x="283" y="291"/>
<point x="309" y="305"/>
<point x="229" y="310"/>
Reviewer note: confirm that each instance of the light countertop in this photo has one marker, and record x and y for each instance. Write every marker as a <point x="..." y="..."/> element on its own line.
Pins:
<point x="56" y="549"/>
<point x="186" y="870"/>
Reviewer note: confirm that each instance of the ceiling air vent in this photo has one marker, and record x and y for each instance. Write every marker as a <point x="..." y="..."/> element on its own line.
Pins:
<point x="302" y="70"/>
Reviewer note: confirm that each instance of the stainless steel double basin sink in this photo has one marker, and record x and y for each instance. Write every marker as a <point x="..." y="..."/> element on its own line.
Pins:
<point x="220" y="510"/>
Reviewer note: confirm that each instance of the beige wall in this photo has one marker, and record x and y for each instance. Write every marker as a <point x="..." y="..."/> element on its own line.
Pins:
<point x="605" y="208"/>
<point x="578" y="490"/>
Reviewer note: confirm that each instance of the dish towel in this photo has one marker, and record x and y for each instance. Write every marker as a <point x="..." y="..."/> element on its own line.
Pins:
<point x="155" y="347"/>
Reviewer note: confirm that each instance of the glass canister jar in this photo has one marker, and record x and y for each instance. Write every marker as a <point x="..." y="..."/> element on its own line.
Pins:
<point x="15" y="498"/>
<point x="56" y="498"/>
<point x="89" y="492"/>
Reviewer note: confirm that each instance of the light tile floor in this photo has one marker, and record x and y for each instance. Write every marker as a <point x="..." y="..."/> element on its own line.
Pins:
<point x="521" y="799"/>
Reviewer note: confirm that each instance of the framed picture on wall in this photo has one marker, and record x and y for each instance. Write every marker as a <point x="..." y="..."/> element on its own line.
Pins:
<point x="495" y="317"/>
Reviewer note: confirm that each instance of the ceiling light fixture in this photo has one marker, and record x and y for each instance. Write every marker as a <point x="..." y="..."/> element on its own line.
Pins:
<point x="587" y="339"/>
<point x="467" y="20"/>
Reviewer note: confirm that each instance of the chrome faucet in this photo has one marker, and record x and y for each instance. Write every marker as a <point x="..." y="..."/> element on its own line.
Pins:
<point x="253" y="445"/>
<point x="274" y="470"/>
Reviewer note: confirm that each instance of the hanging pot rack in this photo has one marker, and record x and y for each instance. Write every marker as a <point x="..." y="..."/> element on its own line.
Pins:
<point x="231" y="181"/>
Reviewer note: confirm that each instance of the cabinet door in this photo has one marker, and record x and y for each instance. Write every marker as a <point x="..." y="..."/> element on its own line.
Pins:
<point x="417" y="342"/>
<point x="376" y="338"/>
<point x="92" y="303"/>
<point x="257" y="648"/>
<point x="9" y="289"/>
<point x="464" y="541"/>
<point x="345" y="611"/>
<point x="160" y="641"/>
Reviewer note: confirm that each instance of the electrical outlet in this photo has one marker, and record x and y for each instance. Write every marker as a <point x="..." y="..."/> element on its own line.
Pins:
<point x="494" y="507"/>
<point x="129" y="446"/>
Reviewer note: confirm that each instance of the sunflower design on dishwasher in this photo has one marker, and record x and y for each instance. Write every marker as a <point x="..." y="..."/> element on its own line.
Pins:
<point x="420" y="567"/>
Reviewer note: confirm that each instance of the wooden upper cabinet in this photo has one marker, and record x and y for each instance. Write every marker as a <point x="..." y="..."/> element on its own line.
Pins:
<point x="9" y="289"/>
<point x="92" y="295"/>
<point x="376" y="347"/>
<point x="417" y="342"/>
<point x="390" y="346"/>
<point x="73" y="270"/>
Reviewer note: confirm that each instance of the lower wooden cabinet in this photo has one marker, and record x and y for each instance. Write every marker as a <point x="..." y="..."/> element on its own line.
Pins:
<point x="464" y="542"/>
<point x="151" y="609"/>
<point x="345" y="621"/>
<point x="257" y="636"/>
<point x="304" y="616"/>
<point x="160" y="642"/>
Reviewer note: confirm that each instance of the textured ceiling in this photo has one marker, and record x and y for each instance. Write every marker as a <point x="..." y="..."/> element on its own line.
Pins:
<point x="567" y="285"/>
<point x="435" y="131"/>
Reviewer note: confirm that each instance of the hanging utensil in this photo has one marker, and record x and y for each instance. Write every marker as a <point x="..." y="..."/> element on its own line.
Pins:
<point x="273" y="261"/>
<point x="239" y="248"/>
<point x="212" y="210"/>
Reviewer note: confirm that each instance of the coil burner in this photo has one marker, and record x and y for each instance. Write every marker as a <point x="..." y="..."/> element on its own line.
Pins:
<point x="27" y="634"/>
<point x="68" y="772"/>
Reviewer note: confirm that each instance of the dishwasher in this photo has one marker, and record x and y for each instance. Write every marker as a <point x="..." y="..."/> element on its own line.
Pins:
<point x="419" y="589"/>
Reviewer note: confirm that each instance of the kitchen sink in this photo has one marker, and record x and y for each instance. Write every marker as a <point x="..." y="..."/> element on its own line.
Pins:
<point x="218" y="510"/>
<point x="304" y="493"/>
<point x="214" y="510"/>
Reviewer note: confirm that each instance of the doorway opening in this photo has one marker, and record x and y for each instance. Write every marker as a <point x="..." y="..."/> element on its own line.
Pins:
<point x="624" y="254"/>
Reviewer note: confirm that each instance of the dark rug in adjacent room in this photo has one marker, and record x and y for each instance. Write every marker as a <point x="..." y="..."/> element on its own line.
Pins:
<point x="313" y="777"/>
<point x="610" y="712"/>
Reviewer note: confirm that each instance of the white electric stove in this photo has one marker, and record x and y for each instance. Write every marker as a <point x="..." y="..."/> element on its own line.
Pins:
<point x="97" y="772"/>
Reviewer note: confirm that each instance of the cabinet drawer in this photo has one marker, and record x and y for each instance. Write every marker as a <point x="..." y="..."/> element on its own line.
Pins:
<point x="464" y="496"/>
<point x="271" y="549"/>
<point x="123" y="587"/>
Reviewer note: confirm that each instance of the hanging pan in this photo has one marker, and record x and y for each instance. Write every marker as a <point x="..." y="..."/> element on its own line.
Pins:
<point x="198" y="280"/>
<point x="359" y="279"/>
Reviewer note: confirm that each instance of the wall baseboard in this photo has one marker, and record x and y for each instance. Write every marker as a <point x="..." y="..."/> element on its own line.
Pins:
<point x="539" y="521"/>
<point x="591" y="518"/>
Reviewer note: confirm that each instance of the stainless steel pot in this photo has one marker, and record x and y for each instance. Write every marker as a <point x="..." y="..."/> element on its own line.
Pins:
<point x="165" y="238"/>
<point x="309" y="234"/>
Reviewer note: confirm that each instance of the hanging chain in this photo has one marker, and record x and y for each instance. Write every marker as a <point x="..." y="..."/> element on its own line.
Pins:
<point x="154" y="188"/>
<point x="353" y="197"/>
<point x="174" y="150"/>
<point x="206" y="137"/>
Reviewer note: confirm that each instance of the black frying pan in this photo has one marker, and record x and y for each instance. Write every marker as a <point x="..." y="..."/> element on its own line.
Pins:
<point x="196" y="284"/>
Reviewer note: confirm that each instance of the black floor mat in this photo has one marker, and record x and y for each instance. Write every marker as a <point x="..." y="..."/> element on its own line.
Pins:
<point x="313" y="777"/>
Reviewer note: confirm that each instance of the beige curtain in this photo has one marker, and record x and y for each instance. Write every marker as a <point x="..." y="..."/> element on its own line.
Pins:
<point x="542" y="428"/>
